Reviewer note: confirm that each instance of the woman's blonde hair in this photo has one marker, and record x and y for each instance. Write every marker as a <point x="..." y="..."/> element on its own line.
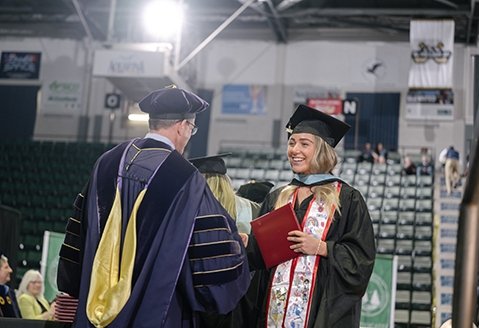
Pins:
<point x="324" y="161"/>
<point x="221" y="187"/>
<point x="28" y="277"/>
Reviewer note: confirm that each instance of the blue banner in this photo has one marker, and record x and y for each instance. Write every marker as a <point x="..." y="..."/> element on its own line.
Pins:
<point x="244" y="99"/>
<point x="20" y="65"/>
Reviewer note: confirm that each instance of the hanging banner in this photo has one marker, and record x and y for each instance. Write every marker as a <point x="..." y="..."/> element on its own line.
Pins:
<point x="435" y="104"/>
<point x="52" y="242"/>
<point x="329" y="106"/>
<point x="432" y="46"/>
<point x="62" y="96"/>
<point x="20" y="65"/>
<point x="244" y="99"/>
<point x="380" y="299"/>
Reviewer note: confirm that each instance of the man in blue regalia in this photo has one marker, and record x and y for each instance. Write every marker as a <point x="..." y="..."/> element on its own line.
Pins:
<point x="149" y="245"/>
<point x="8" y="302"/>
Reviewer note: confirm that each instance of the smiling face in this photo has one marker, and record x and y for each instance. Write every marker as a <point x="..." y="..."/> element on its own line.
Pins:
<point x="35" y="286"/>
<point x="301" y="153"/>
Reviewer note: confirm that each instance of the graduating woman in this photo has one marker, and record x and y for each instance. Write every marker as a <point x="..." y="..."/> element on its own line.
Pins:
<point x="324" y="285"/>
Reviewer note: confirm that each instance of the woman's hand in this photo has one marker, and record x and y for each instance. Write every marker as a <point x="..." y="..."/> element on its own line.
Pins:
<point x="306" y="244"/>
<point x="244" y="238"/>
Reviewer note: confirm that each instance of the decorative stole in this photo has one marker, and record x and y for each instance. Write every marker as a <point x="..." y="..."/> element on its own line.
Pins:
<point x="291" y="289"/>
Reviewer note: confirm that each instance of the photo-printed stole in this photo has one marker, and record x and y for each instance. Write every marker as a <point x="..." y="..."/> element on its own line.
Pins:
<point x="293" y="283"/>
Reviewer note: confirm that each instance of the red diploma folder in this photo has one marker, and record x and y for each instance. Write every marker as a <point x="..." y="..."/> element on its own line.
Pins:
<point x="271" y="233"/>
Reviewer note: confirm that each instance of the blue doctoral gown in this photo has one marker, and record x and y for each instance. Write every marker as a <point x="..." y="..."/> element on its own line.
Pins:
<point x="189" y="256"/>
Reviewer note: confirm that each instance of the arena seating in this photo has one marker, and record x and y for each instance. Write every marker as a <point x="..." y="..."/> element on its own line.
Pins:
<point x="41" y="179"/>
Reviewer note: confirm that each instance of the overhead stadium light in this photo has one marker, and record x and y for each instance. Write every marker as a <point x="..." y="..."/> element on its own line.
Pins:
<point x="138" y="117"/>
<point x="163" y="19"/>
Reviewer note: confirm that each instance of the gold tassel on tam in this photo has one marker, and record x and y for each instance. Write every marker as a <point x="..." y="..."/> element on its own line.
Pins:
<point x="110" y="284"/>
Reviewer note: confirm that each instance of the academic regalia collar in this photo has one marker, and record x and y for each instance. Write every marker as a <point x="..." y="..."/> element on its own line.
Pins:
<point x="313" y="179"/>
<point x="161" y="138"/>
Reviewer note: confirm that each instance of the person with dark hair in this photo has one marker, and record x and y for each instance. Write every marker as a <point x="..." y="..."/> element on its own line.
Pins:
<point x="380" y="154"/>
<point x="8" y="301"/>
<point x="408" y="168"/>
<point x="150" y="245"/>
<point x="255" y="191"/>
<point x="367" y="154"/>
<point x="324" y="285"/>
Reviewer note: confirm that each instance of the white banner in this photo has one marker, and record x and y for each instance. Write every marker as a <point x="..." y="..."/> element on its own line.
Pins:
<point x="62" y="96"/>
<point x="129" y="63"/>
<point x="432" y="45"/>
<point x="430" y="104"/>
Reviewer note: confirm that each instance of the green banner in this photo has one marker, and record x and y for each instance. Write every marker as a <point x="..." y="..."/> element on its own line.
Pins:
<point x="379" y="301"/>
<point x="52" y="241"/>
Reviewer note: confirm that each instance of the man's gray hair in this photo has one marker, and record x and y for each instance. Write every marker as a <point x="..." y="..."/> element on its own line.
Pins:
<point x="157" y="124"/>
<point x="3" y="259"/>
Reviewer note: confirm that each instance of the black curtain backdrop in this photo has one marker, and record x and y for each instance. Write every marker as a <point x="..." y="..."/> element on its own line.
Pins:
<point x="10" y="224"/>
<point x="378" y="120"/>
<point x="18" y="110"/>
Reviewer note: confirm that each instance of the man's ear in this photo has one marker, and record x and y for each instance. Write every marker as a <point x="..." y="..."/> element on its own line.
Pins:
<point x="180" y="128"/>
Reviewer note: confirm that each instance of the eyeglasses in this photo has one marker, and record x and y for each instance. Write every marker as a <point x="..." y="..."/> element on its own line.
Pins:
<point x="194" y="128"/>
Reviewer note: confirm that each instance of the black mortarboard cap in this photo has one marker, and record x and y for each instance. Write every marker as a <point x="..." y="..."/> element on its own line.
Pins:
<point x="309" y="120"/>
<point x="172" y="103"/>
<point x="210" y="164"/>
<point x="255" y="190"/>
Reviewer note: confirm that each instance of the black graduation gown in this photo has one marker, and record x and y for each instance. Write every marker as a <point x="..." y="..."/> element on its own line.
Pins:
<point x="344" y="275"/>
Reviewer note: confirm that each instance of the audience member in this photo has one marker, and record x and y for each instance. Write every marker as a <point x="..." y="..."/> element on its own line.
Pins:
<point x="451" y="169"/>
<point x="242" y="210"/>
<point x="409" y="168"/>
<point x="255" y="191"/>
<point x="143" y="249"/>
<point x="442" y="157"/>
<point x="380" y="154"/>
<point x="367" y="154"/>
<point x="32" y="303"/>
<point x="8" y="301"/>
<point x="426" y="167"/>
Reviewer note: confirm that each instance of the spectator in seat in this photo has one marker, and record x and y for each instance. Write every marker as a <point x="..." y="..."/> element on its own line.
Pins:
<point x="426" y="167"/>
<point x="409" y="168"/>
<point x="380" y="154"/>
<point x="32" y="303"/>
<point x="367" y="155"/>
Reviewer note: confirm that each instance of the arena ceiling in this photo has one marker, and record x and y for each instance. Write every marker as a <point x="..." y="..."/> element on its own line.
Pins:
<point x="279" y="20"/>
